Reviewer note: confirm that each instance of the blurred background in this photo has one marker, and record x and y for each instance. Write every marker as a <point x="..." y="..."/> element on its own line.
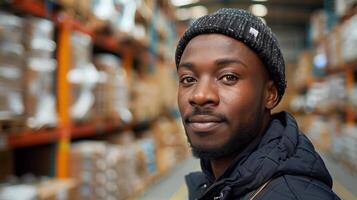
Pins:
<point x="88" y="93"/>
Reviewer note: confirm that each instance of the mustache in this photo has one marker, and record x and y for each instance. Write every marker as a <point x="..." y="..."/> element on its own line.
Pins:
<point x="204" y="111"/>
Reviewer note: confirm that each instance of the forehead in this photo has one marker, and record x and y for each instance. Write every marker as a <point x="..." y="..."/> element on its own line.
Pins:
<point x="209" y="41"/>
<point x="207" y="48"/>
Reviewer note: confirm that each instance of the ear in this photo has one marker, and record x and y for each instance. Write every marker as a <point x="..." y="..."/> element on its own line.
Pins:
<point x="271" y="97"/>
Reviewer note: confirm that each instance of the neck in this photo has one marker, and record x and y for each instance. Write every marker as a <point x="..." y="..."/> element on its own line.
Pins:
<point x="220" y="165"/>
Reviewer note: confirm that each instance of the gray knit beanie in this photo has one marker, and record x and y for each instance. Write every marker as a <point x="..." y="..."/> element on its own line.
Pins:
<point x="247" y="28"/>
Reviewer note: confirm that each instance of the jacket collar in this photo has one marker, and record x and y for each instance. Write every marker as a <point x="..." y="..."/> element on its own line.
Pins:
<point x="281" y="150"/>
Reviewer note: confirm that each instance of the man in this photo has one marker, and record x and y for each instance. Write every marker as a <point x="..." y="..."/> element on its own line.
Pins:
<point x="231" y="75"/>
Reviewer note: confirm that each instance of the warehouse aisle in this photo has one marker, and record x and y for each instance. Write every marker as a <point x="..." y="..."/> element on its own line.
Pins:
<point x="344" y="180"/>
<point x="172" y="186"/>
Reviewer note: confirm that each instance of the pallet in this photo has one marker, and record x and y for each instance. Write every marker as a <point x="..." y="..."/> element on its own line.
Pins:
<point x="12" y="126"/>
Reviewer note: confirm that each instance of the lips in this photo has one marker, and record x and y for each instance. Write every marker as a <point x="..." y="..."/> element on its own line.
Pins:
<point x="204" y="123"/>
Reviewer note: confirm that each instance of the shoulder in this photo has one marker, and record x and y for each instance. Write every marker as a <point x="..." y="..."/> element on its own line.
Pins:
<point x="297" y="188"/>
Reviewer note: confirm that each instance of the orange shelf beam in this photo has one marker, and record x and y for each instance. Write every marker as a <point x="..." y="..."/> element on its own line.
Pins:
<point x="38" y="9"/>
<point x="346" y="67"/>
<point x="83" y="131"/>
<point x="33" y="138"/>
<point x="107" y="42"/>
<point x="77" y="26"/>
<point x="31" y="6"/>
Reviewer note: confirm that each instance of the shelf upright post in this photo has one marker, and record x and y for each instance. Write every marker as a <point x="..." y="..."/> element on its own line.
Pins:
<point x="350" y="115"/>
<point x="63" y="96"/>
<point x="128" y="60"/>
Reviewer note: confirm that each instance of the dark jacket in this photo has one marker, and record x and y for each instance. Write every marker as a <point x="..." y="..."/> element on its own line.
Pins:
<point x="283" y="156"/>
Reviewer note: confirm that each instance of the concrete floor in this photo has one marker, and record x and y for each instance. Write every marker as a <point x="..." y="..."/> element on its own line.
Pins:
<point x="172" y="186"/>
<point x="344" y="180"/>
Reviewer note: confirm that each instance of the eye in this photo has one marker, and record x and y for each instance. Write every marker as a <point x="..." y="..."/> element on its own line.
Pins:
<point x="187" y="80"/>
<point x="229" y="79"/>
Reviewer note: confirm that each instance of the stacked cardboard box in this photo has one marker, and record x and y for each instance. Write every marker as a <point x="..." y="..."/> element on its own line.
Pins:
<point x="112" y="92"/>
<point x="40" y="73"/>
<point x="171" y="141"/>
<point x="330" y="100"/>
<point x="146" y="102"/>
<point x="87" y="165"/>
<point x="52" y="189"/>
<point x="55" y="189"/>
<point x="106" y="171"/>
<point x="167" y="82"/>
<point x="12" y="54"/>
<point x="27" y="70"/>
<point x="349" y="39"/>
<point x="303" y="74"/>
<point x="83" y="76"/>
<point x="334" y="54"/>
<point x="342" y="6"/>
<point x="318" y="25"/>
<point x="328" y="95"/>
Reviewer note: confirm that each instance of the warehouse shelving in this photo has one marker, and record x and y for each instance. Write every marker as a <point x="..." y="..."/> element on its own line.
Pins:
<point x="109" y="43"/>
<point x="331" y="123"/>
<point x="31" y="7"/>
<point x="348" y="66"/>
<point x="37" y="137"/>
<point x="122" y="44"/>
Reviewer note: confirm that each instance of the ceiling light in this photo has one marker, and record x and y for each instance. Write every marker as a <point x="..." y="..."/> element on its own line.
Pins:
<point x="183" y="14"/>
<point x="179" y="3"/>
<point x="191" y="12"/>
<point x="259" y="10"/>
<point x="198" y="11"/>
<point x="260" y="0"/>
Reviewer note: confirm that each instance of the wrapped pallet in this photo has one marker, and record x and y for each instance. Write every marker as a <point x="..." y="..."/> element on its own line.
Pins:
<point x="83" y="76"/>
<point x="318" y="25"/>
<point x="40" y="73"/>
<point x="12" y="54"/>
<point x="112" y="92"/>
<point x="349" y="40"/>
<point x="107" y="171"/>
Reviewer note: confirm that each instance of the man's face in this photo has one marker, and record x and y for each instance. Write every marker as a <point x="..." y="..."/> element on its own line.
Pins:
<point x="222" y="95"/>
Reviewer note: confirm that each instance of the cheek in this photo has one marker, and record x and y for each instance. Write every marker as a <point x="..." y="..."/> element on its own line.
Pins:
<point x="182" y="100"/>
<point x="240" y="103"/>
<point x="237" y="97"/>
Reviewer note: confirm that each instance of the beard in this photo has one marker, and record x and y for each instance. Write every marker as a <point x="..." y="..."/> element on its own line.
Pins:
<point x="246" y="133"/>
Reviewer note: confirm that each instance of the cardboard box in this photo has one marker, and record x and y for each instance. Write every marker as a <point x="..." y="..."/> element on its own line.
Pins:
<point x="349" y="39"/>
<point x="58" y="189"/>
<point x="318" y="22"/>
<point x="40" y="101"/>
<point x="112" y="92"/>
<point x="105" y="170"/>
<point x="11" y="28"/>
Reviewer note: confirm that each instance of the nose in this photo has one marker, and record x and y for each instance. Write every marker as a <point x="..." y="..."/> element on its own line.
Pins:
<point x="204" y="93"/>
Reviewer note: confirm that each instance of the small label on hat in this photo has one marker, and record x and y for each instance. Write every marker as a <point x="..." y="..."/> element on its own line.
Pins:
<point x="253" y="31"/>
